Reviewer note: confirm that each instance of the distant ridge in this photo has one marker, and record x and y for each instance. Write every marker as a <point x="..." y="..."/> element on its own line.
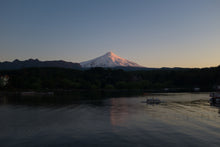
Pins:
<point x="109" y="60"/>
<point x="17" y="64"/>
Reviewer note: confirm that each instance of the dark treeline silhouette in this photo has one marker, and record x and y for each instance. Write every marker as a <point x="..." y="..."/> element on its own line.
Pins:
<point x="99" y="78"/>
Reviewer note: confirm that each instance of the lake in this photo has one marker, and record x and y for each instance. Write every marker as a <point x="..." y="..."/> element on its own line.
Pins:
<point x="106" y="119"/>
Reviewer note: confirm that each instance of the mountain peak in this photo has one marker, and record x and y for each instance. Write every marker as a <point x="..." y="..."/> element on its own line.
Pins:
<point x="108" y="60"/>
<point x="16" y="60"/>
<point x="110" y="53"/>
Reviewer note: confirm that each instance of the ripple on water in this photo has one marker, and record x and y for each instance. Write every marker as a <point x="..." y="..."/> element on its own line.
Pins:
<point x="182" y="119"/>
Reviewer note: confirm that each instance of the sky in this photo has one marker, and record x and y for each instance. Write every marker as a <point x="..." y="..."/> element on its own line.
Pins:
<point x="152" y="33"/>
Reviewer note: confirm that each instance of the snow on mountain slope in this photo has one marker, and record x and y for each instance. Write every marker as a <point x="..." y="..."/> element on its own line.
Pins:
<point x="108" y="60"/>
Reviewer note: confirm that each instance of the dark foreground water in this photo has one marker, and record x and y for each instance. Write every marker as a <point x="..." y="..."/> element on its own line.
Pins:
<point x="183" y="119"/>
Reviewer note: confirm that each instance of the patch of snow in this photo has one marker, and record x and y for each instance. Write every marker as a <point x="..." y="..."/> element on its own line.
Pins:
<point x="108" y="60"/>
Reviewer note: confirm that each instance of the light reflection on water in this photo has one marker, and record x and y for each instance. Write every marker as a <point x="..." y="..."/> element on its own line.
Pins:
<point x="183" y="119"/>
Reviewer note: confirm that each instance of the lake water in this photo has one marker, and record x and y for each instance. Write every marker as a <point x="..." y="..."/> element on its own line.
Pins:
<point x="183" y="119"/>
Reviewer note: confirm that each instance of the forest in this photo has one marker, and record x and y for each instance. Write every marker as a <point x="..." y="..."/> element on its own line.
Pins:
<point x="204" y="79"/>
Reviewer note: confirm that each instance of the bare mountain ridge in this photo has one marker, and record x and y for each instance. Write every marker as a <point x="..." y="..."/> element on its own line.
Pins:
<point x="17" y="64"/>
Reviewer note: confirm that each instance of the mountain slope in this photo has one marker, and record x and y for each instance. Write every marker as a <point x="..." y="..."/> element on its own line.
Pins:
<point x="109" y="60"/>
<point x="16" y="64"/>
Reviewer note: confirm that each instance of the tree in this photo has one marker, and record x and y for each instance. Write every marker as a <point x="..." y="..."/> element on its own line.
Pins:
<point x="4" y="80"/>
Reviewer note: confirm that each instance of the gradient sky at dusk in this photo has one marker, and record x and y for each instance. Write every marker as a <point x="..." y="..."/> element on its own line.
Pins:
<point x="152" y="33"/>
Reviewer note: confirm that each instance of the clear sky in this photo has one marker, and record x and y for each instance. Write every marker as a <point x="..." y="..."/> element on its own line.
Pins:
<point x="152" y="33"/>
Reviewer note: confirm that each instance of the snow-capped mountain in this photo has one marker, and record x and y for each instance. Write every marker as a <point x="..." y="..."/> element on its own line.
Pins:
<point x="109" y="60"/>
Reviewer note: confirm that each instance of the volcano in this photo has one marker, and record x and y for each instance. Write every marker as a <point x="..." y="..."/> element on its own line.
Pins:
<point x="109" y="60"/>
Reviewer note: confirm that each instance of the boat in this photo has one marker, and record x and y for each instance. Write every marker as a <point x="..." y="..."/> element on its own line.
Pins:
<point x="215" y="98"/>
<point x="153" y="101"/>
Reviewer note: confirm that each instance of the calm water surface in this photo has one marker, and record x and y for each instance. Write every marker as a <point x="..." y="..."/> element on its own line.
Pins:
<point x="183" y="119"/>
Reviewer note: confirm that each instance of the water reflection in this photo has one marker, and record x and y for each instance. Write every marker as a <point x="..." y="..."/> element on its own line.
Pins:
<point x="118" y="111"/>
<point x="63" y="99"/>
<point x="84" y="119"/>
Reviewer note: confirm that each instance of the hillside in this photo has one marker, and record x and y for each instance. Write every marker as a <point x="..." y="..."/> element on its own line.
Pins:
<point x="17" y="64"/>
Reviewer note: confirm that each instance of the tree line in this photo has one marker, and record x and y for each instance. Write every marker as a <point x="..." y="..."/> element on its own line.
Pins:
<point x="206" y="79"/>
